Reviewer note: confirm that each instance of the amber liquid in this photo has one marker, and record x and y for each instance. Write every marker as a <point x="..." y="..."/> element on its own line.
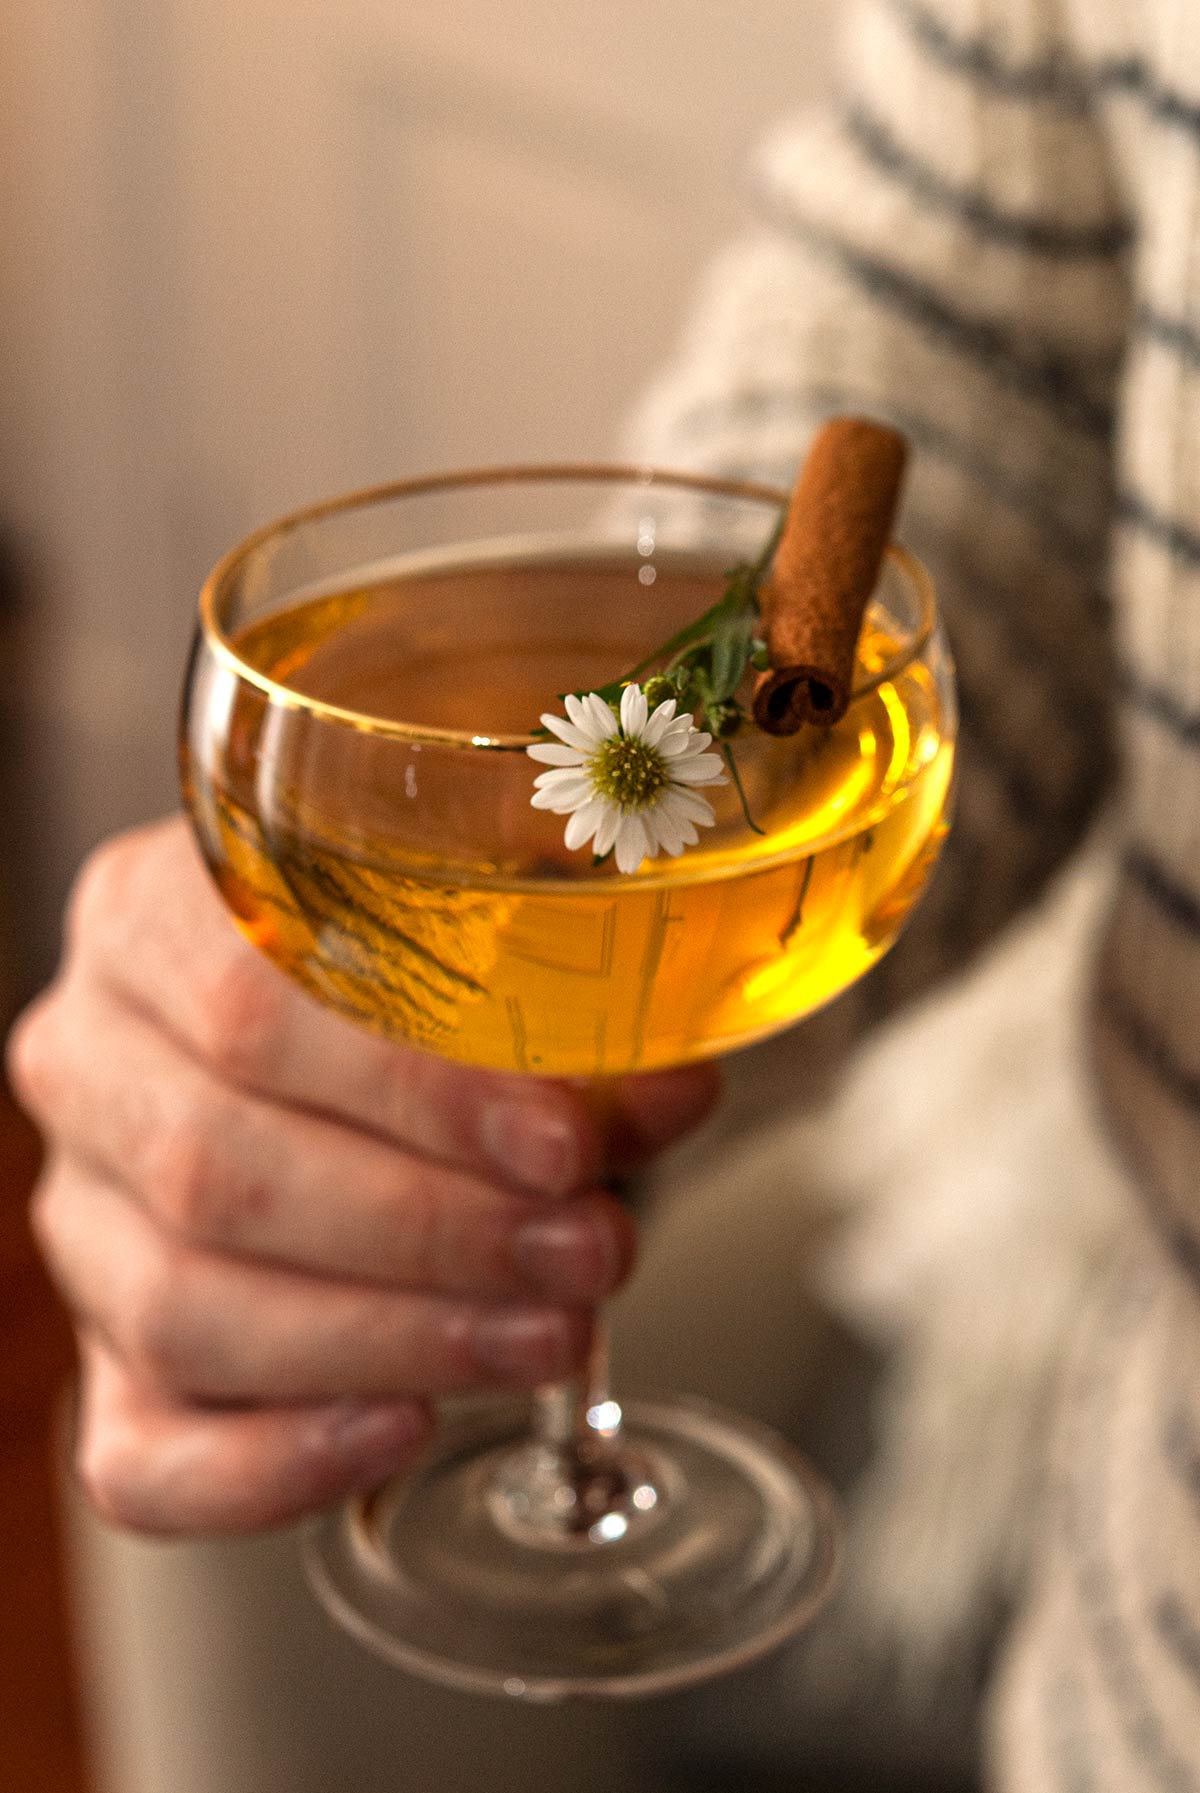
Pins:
<point x="412" y="887"/>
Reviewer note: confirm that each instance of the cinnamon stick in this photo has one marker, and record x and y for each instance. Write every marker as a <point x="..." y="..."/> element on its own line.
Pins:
<point x="838" y="525"/>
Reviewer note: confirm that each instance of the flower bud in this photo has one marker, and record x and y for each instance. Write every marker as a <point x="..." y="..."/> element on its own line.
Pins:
<point x="658" y="689"/>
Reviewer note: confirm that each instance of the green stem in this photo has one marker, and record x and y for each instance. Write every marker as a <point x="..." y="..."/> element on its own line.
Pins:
<point x="727" y="755"/>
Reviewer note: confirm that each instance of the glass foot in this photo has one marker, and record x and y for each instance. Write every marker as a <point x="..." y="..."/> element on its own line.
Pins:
<point x="718" y="1544"/>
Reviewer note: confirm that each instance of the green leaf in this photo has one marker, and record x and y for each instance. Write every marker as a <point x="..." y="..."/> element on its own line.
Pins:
<point x="686" y="637"/>
<point x="731" y="655"/>
<point x="708" y="656"/>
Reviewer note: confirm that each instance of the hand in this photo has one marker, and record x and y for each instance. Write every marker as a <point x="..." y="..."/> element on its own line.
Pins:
<point x="281" y="1237"/>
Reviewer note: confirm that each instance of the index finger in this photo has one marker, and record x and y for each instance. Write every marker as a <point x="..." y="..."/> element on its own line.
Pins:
<point x="148" y="921"/>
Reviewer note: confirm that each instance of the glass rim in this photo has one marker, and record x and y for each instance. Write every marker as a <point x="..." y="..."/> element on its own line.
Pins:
<point x="216" y="586"/>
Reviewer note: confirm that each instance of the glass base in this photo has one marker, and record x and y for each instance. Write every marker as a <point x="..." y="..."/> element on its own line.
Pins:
<point x="728" y="1547"/>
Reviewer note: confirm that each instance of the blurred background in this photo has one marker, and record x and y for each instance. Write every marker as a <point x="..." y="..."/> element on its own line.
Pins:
<point x="253" y="252"/>
<point x="258" y="251"/>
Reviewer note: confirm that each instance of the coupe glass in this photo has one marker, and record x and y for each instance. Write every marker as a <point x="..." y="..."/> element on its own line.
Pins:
<point x="358" y="701"/>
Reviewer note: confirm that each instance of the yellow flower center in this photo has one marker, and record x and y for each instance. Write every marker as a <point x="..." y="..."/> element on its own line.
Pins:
<point x="627" y="772"/>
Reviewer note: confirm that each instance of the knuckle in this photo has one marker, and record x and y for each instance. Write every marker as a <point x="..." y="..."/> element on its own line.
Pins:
<point x="53" y="1220"/>
<point x="43" y="1220"/>
<point x="180" y="1169"/>
<point x="31" y="1055"/>
<point x="242" y="1010"/>
<point x="101" y="887"/>
<point x="423" y="1091"/>
<point x="106" y="1470"/>
<point x="114" y="1467"/>
<point x="111" y="1449"/>
<point x="199" y="1184"/>
<point x="155" y="1317"/>
<point x="185" y="1170"/>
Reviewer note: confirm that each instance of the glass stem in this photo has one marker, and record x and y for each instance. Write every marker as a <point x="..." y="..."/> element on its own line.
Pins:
<point x="577" y="1418"/>
<point x="575" y="1481"/>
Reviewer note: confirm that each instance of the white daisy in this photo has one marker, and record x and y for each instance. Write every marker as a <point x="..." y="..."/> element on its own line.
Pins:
<point x="629" y="784"/>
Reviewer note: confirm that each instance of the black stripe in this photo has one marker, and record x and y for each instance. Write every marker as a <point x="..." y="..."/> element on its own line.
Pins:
<point x="1134" y="76"/>
<point x="1170" y="333"/>
<point x="1159" y="706"/>
<point x="1006" y="607"/>
<point x="1086" y="1521"/>
<point x="1172" y="898"/>
<point x="1138" y="1038"/>
<point x="1179" y="1634"/>
<point x="1033" y="235"/>
<point x="1181" y="1449"/>
<point x="998" y="872"/>
<point x="1047" y="377"/>
<point x="1056" y="78"/>
<point x="1179" y="539"/>
<point x="1053" y="77"/>
<point x="1070" y="801"/>
<point x="1132" y="1033"/>
<point x="1026" y="497"/>
<point x="1150" y="1049"/>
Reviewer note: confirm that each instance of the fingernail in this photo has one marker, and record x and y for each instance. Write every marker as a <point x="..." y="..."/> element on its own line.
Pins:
<point x="572" y="1255"/>
<point x="531" y="1147"/>
<point x="371" y="1439"/>
<point x="524" y="1346"/>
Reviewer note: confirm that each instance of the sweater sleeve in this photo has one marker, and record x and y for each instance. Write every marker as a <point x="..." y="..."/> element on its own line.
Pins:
<point x="945" y="247"/>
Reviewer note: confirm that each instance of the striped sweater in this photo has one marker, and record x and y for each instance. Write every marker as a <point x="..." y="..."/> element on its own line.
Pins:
<point x="994" y="240"/>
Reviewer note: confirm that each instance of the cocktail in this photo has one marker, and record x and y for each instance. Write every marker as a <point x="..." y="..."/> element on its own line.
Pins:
<point x="364" y="690"/>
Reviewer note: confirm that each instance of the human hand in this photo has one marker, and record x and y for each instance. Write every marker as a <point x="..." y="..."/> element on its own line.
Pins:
<point x="281" y="1237"/>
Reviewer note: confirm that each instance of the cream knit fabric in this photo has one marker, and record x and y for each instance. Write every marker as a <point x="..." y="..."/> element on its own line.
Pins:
<point x="994" y="239"/>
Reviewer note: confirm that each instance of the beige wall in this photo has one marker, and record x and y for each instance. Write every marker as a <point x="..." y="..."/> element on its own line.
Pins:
<point x="254" y="252"/>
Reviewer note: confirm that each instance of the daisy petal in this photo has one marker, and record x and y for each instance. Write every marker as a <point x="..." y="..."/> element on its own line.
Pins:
<point x="552" y="755"/>
<point x="574" y="737"/>
<point x="664" y="830"/>
<point x="669" y="820"/>
<point x="709" y="768"/>
<point x="672" y="746"/>
<point x="569" y="785"/>
<point x="656" y="728"/>
<point x="631" y="843"/>
<point x="694" y="807"/>
<point x="584" y="823"/>
<point x="564" y="775"/>
<point x="556" y="802"/>
<point x="600" y="717"/>
<point x="606" y="833"/>
<point x="679" y="807"/>
<point x="634" y="710"/>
